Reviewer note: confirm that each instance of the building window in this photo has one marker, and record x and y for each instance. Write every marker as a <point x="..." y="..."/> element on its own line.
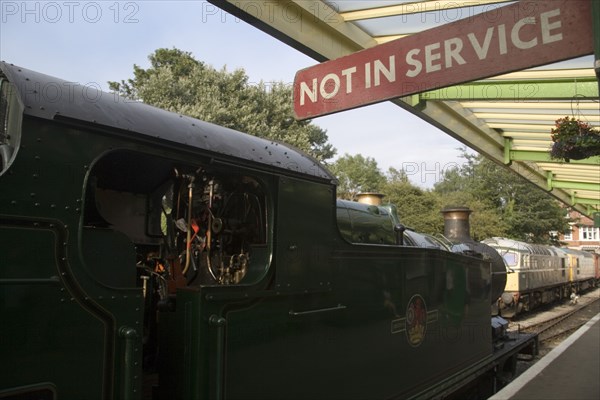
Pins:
<point x="589" y="233"/>
<point x="568" y="235"/>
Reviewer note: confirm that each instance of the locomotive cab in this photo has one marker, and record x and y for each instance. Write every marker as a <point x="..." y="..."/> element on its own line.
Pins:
<point x="164" y="225"/>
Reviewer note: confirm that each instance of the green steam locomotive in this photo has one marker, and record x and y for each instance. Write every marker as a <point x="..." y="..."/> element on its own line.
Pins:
<point x="149" y="255"/>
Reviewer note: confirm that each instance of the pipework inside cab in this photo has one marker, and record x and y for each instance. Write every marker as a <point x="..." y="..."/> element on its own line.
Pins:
<point x="189" y="224"/>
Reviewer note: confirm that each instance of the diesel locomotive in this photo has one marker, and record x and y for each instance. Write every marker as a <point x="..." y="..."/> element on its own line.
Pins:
<point x="540" y="274"/>
<point x="149" y="255"/>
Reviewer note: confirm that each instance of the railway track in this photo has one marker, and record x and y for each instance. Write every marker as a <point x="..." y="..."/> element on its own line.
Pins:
<point x="554" y="325"/>
<point x="560" y="329"/>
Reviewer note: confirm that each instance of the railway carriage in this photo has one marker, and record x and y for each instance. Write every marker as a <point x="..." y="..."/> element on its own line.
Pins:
<point x="146" y="254"/>
<point x="582" y="269"/>
<point x="538" y="274"/>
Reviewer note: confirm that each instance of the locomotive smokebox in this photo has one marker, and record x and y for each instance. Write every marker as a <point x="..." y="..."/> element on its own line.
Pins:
<point x="457" y="229"/>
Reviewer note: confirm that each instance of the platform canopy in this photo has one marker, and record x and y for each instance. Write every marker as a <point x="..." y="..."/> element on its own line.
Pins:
<point x="507" y="118"/>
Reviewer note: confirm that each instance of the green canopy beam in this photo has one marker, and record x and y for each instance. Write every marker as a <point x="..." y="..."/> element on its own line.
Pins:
<point x="583" y="200"/>
<point x="559" y="89"/>
<point x="557" y="184"/>
<point x="544" y="156"/>
<point x="590" y="203"/>
<point x="511" y="155"/>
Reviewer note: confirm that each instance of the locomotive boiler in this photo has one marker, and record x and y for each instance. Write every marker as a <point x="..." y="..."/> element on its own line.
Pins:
<point x="146" y="254"/>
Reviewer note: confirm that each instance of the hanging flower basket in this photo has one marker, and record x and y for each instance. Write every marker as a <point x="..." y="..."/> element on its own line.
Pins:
<point x="574" y="140"/>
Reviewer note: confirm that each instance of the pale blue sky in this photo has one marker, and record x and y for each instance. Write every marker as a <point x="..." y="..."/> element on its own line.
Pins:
<point x="98" y="41"/>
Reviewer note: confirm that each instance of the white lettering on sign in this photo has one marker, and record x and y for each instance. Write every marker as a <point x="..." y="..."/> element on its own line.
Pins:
<point x="311" y="93"/>
<point x="324" y="83"/>
<point x="452" y="47"/>
<point x="547" y="26"/>
<point x="482" y="49"/>
<point x="390" y="73"/>
<point x="331" y="83"/>
<point x="348" y="74"/>
<point x="434" y="57"/>
<point x="514" y="34"/>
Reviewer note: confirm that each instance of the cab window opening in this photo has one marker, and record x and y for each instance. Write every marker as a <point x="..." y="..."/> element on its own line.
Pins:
<point x="189" y="224"/>
<point x="11" y="112"/>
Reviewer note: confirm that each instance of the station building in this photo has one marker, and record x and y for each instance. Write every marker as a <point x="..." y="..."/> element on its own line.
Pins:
<point x="583" y="235"/>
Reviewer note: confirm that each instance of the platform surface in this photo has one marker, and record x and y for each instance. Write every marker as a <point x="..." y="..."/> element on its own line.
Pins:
<point x="569" y="372"/>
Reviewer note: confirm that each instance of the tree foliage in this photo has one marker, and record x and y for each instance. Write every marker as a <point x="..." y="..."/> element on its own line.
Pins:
<point x="356" y="174"/>
<point x="177" y="82"/>
<point x="514" y="207"/>
<point x="418" y="209"/>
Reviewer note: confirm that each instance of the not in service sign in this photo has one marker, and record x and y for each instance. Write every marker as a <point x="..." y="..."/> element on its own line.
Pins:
<point x="510" y="38"/>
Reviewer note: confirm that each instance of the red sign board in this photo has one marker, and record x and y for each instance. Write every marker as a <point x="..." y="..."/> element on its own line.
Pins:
<point x="510" y="38"/>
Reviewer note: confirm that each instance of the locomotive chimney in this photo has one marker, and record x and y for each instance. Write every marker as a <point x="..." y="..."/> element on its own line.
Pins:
<point x="457" y="229"/>
<point x="456" y="224"/>
<point x="371" y="198"/>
